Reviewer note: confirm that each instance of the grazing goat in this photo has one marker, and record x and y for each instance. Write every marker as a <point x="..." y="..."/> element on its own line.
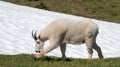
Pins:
<point x="63" y="31"/>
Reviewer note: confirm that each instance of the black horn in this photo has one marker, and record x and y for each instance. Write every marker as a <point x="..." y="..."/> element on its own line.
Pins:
<point x="34" y="35"/>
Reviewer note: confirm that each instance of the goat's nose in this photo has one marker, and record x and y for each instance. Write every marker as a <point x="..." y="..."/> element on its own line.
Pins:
<point x="37" y="51"/>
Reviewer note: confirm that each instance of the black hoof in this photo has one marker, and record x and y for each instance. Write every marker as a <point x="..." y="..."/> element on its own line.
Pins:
<point x="67" y="59"/>
<point x="35" y="58"/>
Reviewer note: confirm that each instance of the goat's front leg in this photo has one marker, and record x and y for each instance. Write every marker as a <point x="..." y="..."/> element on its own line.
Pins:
<point x="53" y="44"/>
<point x="63" y="49"/>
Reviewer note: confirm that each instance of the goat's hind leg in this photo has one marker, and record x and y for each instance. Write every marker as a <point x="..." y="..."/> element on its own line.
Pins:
<point x="90" y="51"/>
<point x="89" y="44"/>
<point x="98" y="49"/>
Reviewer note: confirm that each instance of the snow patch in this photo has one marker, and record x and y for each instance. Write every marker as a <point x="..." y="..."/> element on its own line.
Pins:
<point x="17" y="22"/>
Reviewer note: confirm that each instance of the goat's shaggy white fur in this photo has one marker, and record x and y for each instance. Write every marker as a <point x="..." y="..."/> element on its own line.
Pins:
<point x="63" y="31"/>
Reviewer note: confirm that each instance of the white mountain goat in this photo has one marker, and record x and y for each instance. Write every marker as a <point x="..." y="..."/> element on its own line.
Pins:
<point x="63" y="31"/>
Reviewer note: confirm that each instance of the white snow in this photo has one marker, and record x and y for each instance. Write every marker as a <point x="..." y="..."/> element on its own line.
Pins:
<point x="17" y="22"/>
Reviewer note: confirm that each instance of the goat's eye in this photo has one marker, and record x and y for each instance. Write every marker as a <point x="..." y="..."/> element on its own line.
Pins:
<point x="38" y="42"/>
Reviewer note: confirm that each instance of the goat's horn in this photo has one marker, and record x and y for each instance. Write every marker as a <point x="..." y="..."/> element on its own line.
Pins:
<point x="34" y="35"/>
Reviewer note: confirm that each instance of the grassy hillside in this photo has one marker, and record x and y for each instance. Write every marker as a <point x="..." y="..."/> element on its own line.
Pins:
<point x="27" y="61"/>
<point x="108" y="10"/>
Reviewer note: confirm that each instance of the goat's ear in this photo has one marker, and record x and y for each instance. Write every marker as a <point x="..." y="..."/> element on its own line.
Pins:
<point x="34" y="35"/>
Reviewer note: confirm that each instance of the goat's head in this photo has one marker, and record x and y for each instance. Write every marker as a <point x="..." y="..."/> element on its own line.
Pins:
<point x="39" y="45"/>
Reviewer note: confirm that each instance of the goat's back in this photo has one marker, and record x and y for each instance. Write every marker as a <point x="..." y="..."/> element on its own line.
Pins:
<point x="71" y="28"/>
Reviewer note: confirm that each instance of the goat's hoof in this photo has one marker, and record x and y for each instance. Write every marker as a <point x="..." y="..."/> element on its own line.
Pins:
<point x="35" y="58"/>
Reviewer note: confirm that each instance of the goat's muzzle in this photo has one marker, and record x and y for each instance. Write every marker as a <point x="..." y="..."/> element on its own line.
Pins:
<point x="37" y="51"/>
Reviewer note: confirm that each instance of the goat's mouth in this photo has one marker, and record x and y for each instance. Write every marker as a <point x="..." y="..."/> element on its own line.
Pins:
<point x="37" y="51"/>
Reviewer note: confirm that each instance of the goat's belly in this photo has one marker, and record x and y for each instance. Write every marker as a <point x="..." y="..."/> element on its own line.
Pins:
<point x="74" y="39"/>
<point x="71" y="42"/>
<point x="74" y="43"/>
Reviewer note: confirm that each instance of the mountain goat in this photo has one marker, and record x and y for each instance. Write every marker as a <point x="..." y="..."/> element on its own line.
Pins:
<point x="63" y="31"/>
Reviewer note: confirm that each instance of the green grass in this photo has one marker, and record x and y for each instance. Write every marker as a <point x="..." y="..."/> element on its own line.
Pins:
<point x="24" y="60"/>
<point x="108" y="10"/>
